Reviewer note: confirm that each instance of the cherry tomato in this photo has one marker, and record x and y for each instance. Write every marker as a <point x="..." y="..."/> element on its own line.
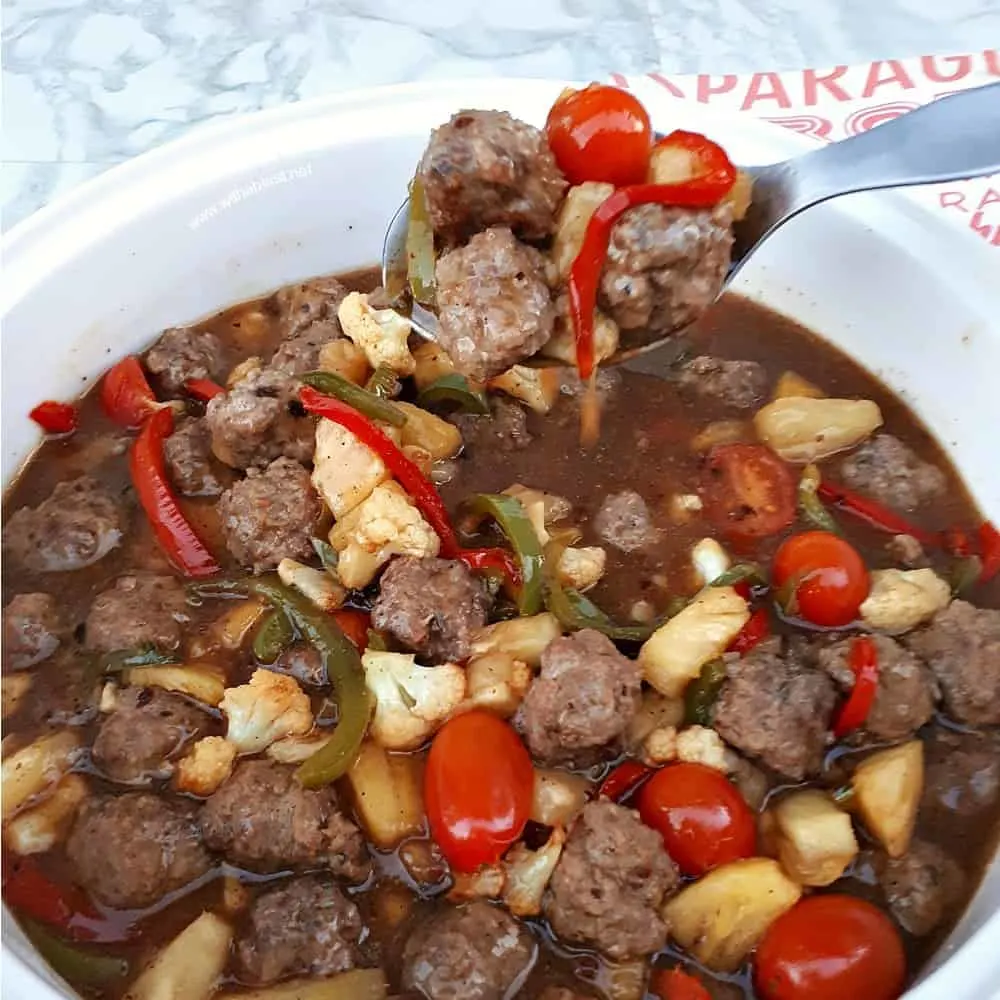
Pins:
<point x="600" y="133"/>
<point x="623" y="780"/>
<point x="676" y="984"/>
<point x="749" y="491"/>
<point x="478" y="787"/>
<point x="830" y="947"/>
<point x="703" y="819"/>
<point x="826" y="578"/>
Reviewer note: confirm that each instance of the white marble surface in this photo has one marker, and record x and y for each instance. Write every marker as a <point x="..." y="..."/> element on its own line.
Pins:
<point x="88" y="83"/>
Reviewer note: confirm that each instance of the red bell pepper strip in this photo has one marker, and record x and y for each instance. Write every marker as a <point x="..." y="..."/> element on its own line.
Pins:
<point x="28" y="889"/>
<point x="623" y="779"/>
<point x="989" y="551"/>
<point x="876" y="514"/>
<point x="703" y="191"/>
<point x="676" y="984"/>
<point x="55" y="418"/>
<point x="409" y="476"/>
<point x="756" y="630"/>
<point x="203" y="389"/>
<point x="863" y="661"/>
<point x="149" y="477"/>
<point x="126" y="396"/>
<point x="355" y="625"/>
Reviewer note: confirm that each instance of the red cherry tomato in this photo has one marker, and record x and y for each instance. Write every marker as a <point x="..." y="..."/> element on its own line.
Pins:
<point x="600" y="133"/>
<point x="477" y="787"/>
<point x="676" y="984"/>
<point x="830" y="947"/>
<point x="825" y="578"/>
<point x="749" y="492"/>
<point x="703" y="819"/>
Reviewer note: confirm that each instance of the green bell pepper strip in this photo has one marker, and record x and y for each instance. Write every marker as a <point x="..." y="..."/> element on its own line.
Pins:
<point x="140" y="656"/>
<point x="371" y="405"/>
<point x="740" y="573"/>
<point x="455" y="390"/>
<point x="420" y="247"/>
<point x="273" y="636"/>
<point x="812" y="509"/>
<point x="510" y="515"/>
<point x="78" y="966"/>
<point x="343" y="668"/>
<point x="701" y="694"/>
<point x="383" y="382"/>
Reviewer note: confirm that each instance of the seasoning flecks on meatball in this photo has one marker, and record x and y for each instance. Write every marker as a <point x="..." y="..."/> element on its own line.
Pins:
<point x="140" y="610"/>
<point x="184" y="353"/>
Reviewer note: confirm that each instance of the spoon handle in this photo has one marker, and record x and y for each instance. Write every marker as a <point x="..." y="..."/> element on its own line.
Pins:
<point x="953" y="138"/>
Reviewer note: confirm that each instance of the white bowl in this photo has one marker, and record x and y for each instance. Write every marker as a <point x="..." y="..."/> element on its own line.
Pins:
<point x="237" y="209"/>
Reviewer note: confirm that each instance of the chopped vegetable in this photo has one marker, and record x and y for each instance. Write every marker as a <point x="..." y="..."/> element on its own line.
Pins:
<point x="345" y="469"/>
<point x="793" y="384"/>
<point x="203" y="389"/>
<point x="358" y="984"/>
<point x="803" y="429"/>
<point x="175" y="535"/>
<point x="581" y="568"/>
<point x="371" y="404"/>
<point x="141" y="656"/>
<point x="318" y="585"/>
<point x="27" y="889"/>
<point x="810" y="836"/>
<point x="344" y="358"/>
<point x="420" y="247"/>
<point x="900" y="600"/>
<point x="721" y="432"/>
<point x="234" y="625"/>
<point x="453" y="390"/>
<point x="676" y="652"/>
<point x="439" y="438"/>
<point x="39" y="829"/>
<point x="36" y="768"/>
<point x="356" y="625"/>
<point x="623" y="779"/>
<point x="384" y="383"/>
<point x="206" y="766"/>
<point x="710" y="561"/>
<point x="74" y="964"/>
<point x="55" y="418"/>
<point x="13" y="690"/>
<point x="528" y="874"/>
<point x="887" y="789"/>
<point x="537" y="388"/>
<point x="268" y="708"/>
<point x="557" y="797"/>
<point x="486" y="882"/>
<point x="381" y="333"/>
<point x="756" y="630"/>
<point x="190" y="966"/>
<point x="388" y="794"/>
<point x="524" y="638"/>
<point x="660" y="746"/>
<point x="676" y="984"/>
<point x="497" y="682"/>
<point x="874" y="513"/>
<point x="273" y="637"/>
<point x="702" y="745"/>
<point x="720" y="918"/>
<point x="655" y="712"/>
<point x="989" y="550"/>
<point x="126" y="396"/>
<point x="203" y="682"/>
<point x="579" y="205"/>
<point x="810" y="506"/>
<point x="700" y="695"/>
<point x="433" y="362"/>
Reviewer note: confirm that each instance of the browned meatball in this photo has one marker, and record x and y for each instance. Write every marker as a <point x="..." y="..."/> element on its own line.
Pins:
<point x="32" y="630"/>
<point x="140" y="610"/>
<point x="75" y="526"/>
<point x="921" y="887"/>
<point x="128" y="851"/>
<point x="473" y="952"/>
<point x="494" y="306"/>
<point x="432" y="606"/>
<point x="610" y="882"/>
<point x="184" y="353"/>
<point x="147" y="728"/>
<point x="271" y="515"/>
<point x="299" y="306"/>
<point x="188" y="453"/>
<point x="302" y="927"/>
<point x="665" y="266"/>
<point x="262" y="819"/>
<point x="888" y="470"/>
<point x="485" y="168"/>
<point x="504" y="429"/>
<point x="737" y="384"/>
<point x="582" y="701"/>
<point x="624" y="521"/>
<point x="961" y="777"/>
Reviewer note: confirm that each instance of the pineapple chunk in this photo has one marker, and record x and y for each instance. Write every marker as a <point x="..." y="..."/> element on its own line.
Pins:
<point x="887" y="789"/>
<point x="388" y="794"/>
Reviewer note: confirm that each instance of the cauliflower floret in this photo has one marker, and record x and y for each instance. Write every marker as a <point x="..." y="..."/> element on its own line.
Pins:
<point x="269" y="707"/>
<point x="528" y="873"/>
<point x="660" y="746"/>
<point x="315" y="584"/>
<point x="682" y="507"/>
<point x="296" y="749"/>
<point x="345" y="471"/>
<point x="900" y="600"/>
<point x="381" y="333"/>
<point x="710" y="560"/>
<point x="206" y="766"/>
<point x="388" y="523"/>
<point x="701" y="745"/>
<point x="537" y="388"/>
<point x="582" y="568"/>
<point x="486" y="882"/>
<point x="40" y="828"/>
<point x="411" y="701"/>
<point x="497" y="682"/>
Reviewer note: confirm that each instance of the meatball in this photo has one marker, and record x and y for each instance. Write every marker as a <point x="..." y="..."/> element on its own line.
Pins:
<point x="665" y="266"/>
<point x="77" y="525"/>
<point x="582" y="701"/>
<point x="140" y="610"/>
<point x="262" y="819"/>
<point x="188" y="454"/>
<point x="128" y="851"/>
<point x="907" y="691"/>
<point x="624" y="521"/>
<point x="259" y="420"/>
<point x="505" y="429"/>
<point x="921" y="887"/>
<point x="962" y="647"/>
<point x="494" y="306"/>
<point x="774" y="708"/>
<point x="271" y="515"/>
<point x="485" y="168"/>
<point x="184" y="353"/>
<point x="610" y="882"/>
<point x="472" y="952"/>
<point x="304" y="927"/>
<point x="299" y="306"/>
<point x="32" y="630"/>
<point x="432" y="606"/>
<point x="961" y="776"/>
<point x="890" y="471"/>
<point x="737" y="384"/>
<point x="147" y="728"/>
<point x="300" y="354"/>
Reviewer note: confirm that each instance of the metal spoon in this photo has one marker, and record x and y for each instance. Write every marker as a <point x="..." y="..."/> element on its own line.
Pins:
<point x="953" y="138"/>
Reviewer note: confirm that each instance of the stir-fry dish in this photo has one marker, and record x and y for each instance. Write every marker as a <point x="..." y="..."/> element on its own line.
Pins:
<point x="336" y="666"/>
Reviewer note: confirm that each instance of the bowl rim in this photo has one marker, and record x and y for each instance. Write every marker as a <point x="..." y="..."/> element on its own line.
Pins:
<point x="26" y="250"/>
